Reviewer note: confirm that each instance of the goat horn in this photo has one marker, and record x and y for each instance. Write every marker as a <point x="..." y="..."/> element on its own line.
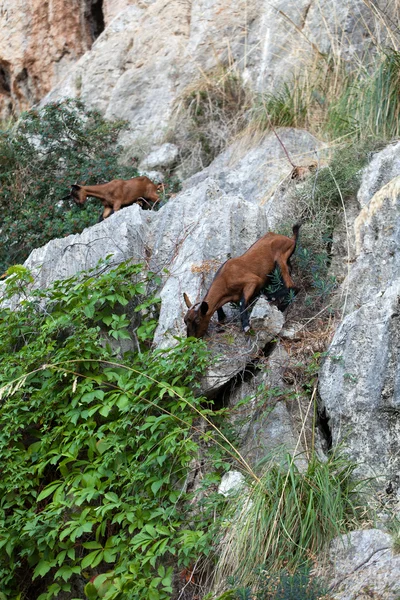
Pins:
<point x="187" y="301"/>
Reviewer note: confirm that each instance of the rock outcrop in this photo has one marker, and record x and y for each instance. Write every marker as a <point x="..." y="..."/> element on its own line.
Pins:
<point x="220" y="213"/>
<point x="359" y="380"/>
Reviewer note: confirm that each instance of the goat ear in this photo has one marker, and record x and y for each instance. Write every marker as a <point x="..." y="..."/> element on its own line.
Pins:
<point x="74" y="186"/>
<point x="204" y="308"/>
<point x="187" y="301"/>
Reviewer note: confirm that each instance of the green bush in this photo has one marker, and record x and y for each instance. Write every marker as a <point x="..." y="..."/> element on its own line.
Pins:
<point x="40" y="157"/>
<point x="94" y="448"/>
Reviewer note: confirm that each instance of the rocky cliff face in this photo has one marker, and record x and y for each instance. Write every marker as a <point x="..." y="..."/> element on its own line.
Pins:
<point x="151" y="50"/>
<point x="359" y="381"/>
<point x="222" y="211"/>
<point x="149" y="53"/>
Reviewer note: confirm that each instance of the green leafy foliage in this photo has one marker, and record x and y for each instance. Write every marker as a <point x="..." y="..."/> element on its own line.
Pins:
<point x="40" y="158"/>
<point x="95" y="445"/>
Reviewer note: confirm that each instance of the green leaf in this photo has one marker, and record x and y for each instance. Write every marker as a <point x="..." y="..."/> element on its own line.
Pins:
<point x="153" y="594"/>
<point x="92" y="546"/>
<point x="42" y="568"/>
<point x="89" y="310"/>
<point x="48" y="490"/>
<point x="109" y="555"/>
<point x="156" y="485"/>
<point x="123" y="401"/>
<point x="105" y="410"/>
<point x="91" y="591"/>
<point x="91" y="560"/>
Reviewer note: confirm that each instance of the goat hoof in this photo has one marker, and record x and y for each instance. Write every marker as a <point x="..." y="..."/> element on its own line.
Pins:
<point x="246" y="329"/>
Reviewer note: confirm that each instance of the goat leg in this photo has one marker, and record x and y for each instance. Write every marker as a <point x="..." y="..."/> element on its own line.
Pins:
<point x="221" y="315"/>
<point x="244" y="315"/>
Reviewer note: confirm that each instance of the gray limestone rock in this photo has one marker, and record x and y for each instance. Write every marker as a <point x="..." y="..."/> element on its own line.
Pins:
<point x="363" y="565"/>
<point x="162" y="157"/>
<point x="383" y="167"/>
<point x="231" y="482"/>
<point x="360" y="377"/>
<point x="122" y="235"/>
<point x="266" y="425"/>
<point x="360" y="385"/>
<point x="258" y="166"/>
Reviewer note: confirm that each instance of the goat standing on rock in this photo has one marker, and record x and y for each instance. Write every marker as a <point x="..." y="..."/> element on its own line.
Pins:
<point x="118" y="193"/>
<point x="241" y="279"/>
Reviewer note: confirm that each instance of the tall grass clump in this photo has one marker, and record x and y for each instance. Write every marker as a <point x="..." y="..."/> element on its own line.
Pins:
<point x="286" y="107"/>
<point x="369" y="105"/>
<point x="303" y="100"/>
<point x="335" y="100"/>
<point x="287" y="518"/>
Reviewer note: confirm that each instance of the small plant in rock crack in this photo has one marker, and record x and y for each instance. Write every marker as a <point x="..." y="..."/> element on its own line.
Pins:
<point x="350" y="378"/>
<point x="276" y="291"/>
<point x="313" y="272"/>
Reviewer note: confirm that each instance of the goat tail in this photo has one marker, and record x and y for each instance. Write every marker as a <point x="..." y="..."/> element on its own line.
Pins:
<point x="296" y="229"/>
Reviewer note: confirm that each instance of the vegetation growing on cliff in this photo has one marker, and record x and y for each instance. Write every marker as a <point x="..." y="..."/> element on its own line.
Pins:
<point x="40" y="158"/>
<point x="95" y="447"/>
<point x="338" y="102"/>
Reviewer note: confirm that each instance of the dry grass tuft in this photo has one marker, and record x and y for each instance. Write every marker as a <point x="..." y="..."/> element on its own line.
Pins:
<point x="209" y="114"/>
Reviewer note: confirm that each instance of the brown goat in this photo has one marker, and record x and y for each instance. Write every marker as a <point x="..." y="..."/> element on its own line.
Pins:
<point x="118" y="193"/>
<point x="241" y="279"/>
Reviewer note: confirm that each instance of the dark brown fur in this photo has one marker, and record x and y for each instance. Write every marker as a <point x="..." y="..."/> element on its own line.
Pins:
<point x="241" y="279"/>
<point x="118" y="193"/>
